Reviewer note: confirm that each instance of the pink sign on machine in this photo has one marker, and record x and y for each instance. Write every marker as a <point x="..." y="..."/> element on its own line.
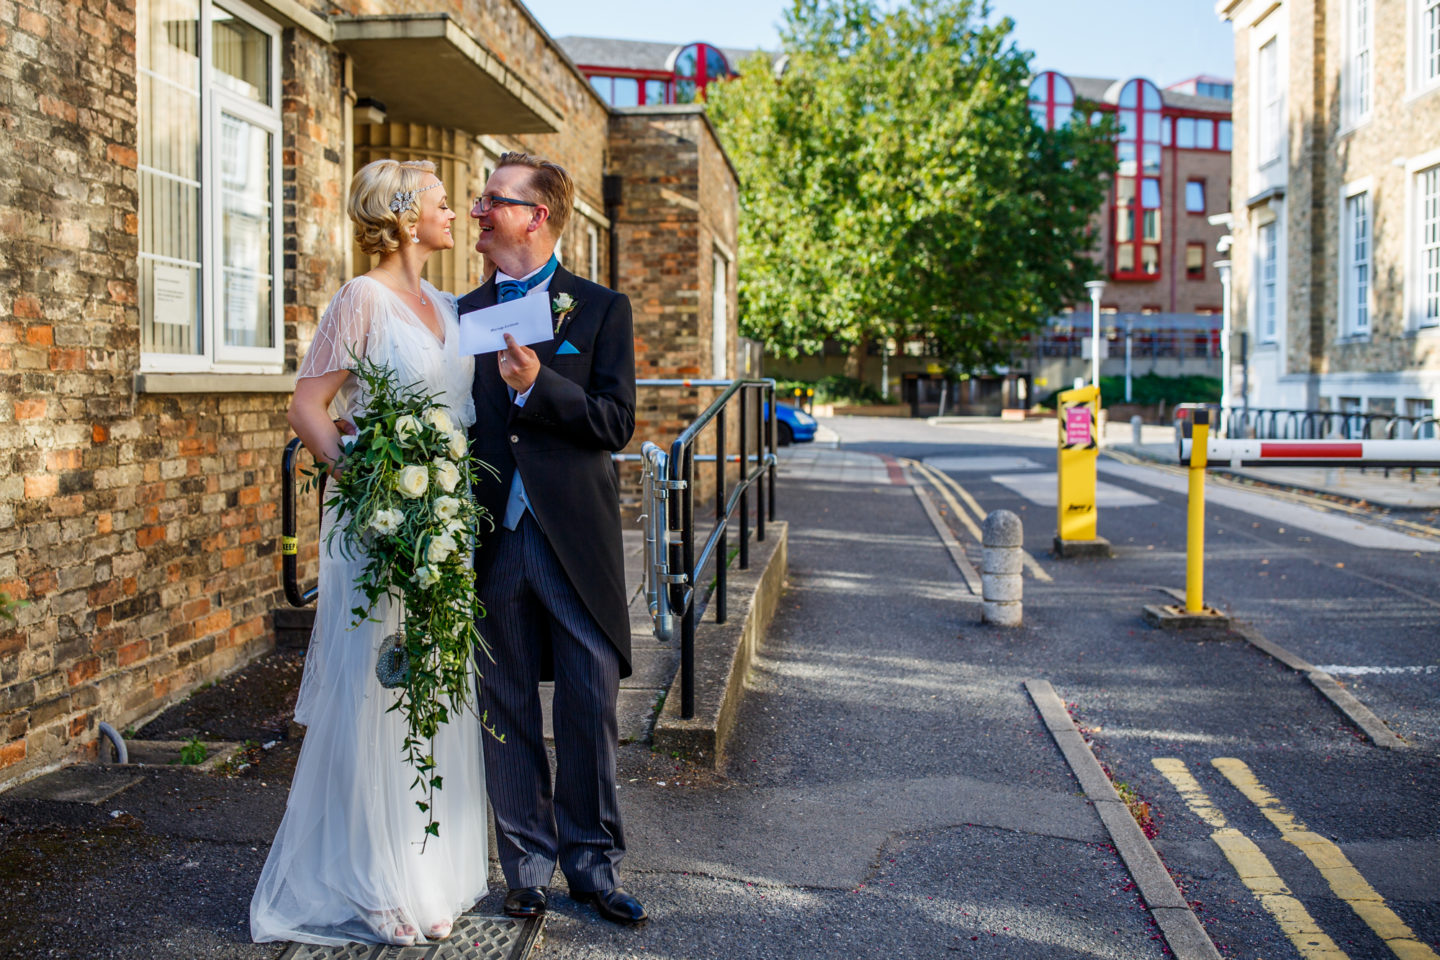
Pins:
<point x="1077" y="426"/>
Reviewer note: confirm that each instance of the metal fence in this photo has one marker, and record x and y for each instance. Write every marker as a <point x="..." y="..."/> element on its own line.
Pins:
<point x="1273" y="424"/>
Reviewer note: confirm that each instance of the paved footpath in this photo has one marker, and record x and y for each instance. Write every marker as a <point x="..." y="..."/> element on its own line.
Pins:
<point x="891" y="791"/>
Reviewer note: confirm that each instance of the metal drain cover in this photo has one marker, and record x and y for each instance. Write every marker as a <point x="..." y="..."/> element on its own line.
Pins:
<point x="474" y="938"/>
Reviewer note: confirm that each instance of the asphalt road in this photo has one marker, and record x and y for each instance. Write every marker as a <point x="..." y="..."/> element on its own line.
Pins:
<point x="891" y="791"/>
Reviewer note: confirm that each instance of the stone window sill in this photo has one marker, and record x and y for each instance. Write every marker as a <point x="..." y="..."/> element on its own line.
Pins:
<point x="214" y="383"/>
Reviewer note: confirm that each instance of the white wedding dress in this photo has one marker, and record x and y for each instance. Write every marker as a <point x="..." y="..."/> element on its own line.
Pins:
<point x="346" y="863"/>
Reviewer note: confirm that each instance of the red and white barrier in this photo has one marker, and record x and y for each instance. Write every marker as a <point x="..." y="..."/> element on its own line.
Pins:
<point x="1222" y="452"/>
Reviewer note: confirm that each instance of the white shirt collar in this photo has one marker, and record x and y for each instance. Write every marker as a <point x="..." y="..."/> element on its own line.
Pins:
<point x="501" y="276"/>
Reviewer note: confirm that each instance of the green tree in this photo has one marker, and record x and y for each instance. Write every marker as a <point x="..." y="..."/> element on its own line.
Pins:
<point x="893" y="183"/>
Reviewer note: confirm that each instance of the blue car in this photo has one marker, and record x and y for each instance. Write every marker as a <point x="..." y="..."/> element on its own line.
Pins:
<point x="791" y="425"/>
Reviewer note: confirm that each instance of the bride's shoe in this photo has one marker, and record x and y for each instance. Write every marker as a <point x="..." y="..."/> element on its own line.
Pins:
<point x="392" y="928"/>
<point x="440" y="930"/>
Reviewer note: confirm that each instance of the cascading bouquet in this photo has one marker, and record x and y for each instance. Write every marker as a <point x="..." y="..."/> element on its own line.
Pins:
<point x="403" y="502"/>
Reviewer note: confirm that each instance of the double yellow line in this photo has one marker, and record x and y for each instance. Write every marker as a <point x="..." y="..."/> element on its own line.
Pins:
<point x="949" y="490"/>
<point x="1258" y="874"/>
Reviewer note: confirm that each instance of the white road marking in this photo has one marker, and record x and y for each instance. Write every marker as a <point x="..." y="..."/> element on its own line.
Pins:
<point x="1040" y="489"/>
<point x="1346" y="529"/>
<point x="982" y="464"/>
<point x="1338" y="670"/>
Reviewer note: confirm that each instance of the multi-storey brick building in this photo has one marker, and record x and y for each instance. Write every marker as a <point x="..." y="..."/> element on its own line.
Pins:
<point x="173" y="204"/>
<point x="1335" y="205"/>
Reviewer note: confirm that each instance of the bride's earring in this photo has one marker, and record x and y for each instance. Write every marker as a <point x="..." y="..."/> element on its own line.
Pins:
<point x="414" y="238"/>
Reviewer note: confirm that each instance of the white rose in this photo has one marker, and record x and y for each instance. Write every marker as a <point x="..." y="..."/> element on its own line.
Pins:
<point x="426" y="576"/>
<point x="386" y="521"/>
<point x="447" y="475"/>
<point x="446" y="508"/>
<point x="439" y="419"/>
<point x="455" y="528"/>
<point x="440" y="548"/>
<point x="458" y="445"/>
<point x="412" y="481"/>
<point x="406" y="426"/>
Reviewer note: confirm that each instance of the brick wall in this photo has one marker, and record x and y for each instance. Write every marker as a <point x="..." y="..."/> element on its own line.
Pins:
<point x="139" y="527"/>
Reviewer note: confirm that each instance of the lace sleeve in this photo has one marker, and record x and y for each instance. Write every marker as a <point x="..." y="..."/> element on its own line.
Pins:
<point x="345" y="330"/>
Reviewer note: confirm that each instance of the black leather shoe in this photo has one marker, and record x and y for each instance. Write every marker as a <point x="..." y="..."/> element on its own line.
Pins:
<point x="526" y="902"/>
<point x="614" y="905"/>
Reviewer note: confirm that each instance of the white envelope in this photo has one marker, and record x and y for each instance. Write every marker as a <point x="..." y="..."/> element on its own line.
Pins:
<point x="528" y="320"/>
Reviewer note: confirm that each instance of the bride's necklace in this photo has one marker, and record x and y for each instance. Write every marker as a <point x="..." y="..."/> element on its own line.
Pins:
<point x="417" y="296"/>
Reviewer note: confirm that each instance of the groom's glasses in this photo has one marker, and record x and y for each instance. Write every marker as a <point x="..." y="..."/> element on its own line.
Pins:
<point x="488" y="202"/>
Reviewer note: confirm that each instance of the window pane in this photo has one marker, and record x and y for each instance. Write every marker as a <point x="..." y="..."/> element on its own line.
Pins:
<point x="1195" y="196"/>
<point x="1152" y="126"/>
<point x="1124" y="225"/>
<point x="1125" y="258"/>
<point x="602" y="87"/>
<point x="1205" y="134"/>
<point x="1038" y="114"/>
<point x="1167" y="127"/>
<point x="1151" y="155"/>
<point x="715" y="65"/>
<point x="1128" y="94"/>
<point x="167" y="57"/>
<point x="1125" y="191"/>
<point x="685" y="90"/>
<point x="1150" y="193"/>
<point x="1064" y="93"/>
<point x="245" y="233"/>
<point x="1152" y="224"/>
<point x="1226" y="132"/>
<point x="687" y="63"/>
<point x="1125" y="153"/>
<point x="1127" y="124"/>
<point x="654" y="91"/>
<point x="1150" y="259"/>
<point x="1039" y="88"/>
<point x="1195" y="261"/>
<point x="627" y="92"/>
<point x="242" y="56"/>
<point x="1429" y="195"/>
<point x="1185" y="132"/>
<point x="1430" y="41"/>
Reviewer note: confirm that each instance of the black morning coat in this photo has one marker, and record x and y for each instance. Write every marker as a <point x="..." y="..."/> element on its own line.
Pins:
<point x="581" y="409"/>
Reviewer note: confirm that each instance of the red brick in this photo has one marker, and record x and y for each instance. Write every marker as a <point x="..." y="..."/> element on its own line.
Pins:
<point x="33" y="22"/>
<point x="31" y="409"/>
<point x="41" y="486"/>
<point x="57" y="460"/>
<point x="99" y="433"/>
<point x="131" y="652"/>
<point x="121" y="154"/>
<point x="79" y="725"/>
<point x="58" y="109"/>
<point x="149" y="536"/>
<point x="12" y="753"/>
<point x="122" y="291"/>
<point x="104" y="523"/>
<point x="40" y="335"/>
<point x="82" y="671"/>
<point x="219" y="620"/>
<point x="67" y="359"/>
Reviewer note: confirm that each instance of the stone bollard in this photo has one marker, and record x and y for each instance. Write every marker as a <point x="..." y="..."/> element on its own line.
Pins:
<point x="1000" y="566"/>
<point x="1135" y="431"/>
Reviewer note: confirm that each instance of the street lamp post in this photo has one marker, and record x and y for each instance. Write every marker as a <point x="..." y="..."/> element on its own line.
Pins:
<point x="1096" y="287"/>
<point x="1225" y="385"/>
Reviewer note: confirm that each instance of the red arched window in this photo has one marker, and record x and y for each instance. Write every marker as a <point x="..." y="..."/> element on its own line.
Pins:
<point x="696" y="66"/>
<point x="1052" y="100"/>
<point x="1137" y="207"/>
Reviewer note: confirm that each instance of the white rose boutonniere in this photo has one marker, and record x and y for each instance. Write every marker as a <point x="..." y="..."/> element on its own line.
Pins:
<point x="446" y="475"/>
<point x="562" y="306"/>
<point x="412" y="482"/>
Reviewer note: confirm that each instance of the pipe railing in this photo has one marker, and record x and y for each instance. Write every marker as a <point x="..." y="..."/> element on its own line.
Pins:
<point x="1283" y="424"/>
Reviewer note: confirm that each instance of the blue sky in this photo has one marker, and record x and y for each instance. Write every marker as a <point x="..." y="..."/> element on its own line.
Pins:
<point x="1165" y="40"/>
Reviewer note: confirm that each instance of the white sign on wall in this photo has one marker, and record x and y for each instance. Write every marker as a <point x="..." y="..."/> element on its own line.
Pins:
<point x="173" y="302"/>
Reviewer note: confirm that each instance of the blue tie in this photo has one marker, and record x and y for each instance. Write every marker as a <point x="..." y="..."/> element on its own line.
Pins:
<point x="506" y="290"/>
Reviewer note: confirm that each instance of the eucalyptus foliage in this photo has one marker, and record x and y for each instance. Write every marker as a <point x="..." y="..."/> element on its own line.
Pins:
<point x="403" y="502"/>
<point x="893" y="183"/>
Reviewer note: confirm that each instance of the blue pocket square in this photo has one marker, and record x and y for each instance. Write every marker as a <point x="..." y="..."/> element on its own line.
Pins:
<point x="566" y="347"/>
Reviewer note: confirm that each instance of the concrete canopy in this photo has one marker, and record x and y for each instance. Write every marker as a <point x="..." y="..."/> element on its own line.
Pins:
<point x="426" y="69"/>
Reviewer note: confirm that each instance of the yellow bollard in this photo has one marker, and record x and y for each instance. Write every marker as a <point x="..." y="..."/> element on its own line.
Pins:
<point x="1075" y="523"/>
<point x="1195" y="533"/>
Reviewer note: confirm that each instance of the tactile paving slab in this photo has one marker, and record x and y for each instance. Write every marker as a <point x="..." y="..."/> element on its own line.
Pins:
<point x="474" y="938"/>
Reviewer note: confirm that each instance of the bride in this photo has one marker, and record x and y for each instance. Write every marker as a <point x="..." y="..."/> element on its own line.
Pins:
<point x="347" y="863"/>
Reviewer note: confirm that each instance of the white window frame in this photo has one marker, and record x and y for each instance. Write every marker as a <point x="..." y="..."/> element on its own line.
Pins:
<point x="215" y="355"/>
<point x="1349" y="306"/>
<point x="1357" y="101"/>
<point x="1267" y="255"/>
<point x="1271" y="169"/>
<point x="592" y="236"/>
<point x="1422" y="32"/>
<point x="1421" y="171"/>
<point x="1270" y="101"/>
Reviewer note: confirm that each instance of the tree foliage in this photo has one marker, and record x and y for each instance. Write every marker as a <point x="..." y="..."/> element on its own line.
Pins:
<point x="893" y="183"/>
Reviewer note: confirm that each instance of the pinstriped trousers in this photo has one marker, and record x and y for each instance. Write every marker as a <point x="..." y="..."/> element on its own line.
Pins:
<point x="528" y="598"/>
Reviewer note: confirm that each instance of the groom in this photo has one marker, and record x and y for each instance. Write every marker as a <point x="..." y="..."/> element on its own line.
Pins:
<point x="551" y="575"/>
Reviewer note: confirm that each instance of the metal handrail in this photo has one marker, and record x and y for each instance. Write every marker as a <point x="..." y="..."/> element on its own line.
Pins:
<point x="289" y="545"/>
<point x="1293" y="424"/>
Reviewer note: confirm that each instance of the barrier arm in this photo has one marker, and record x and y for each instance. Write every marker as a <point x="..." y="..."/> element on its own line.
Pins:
<point x="1224" y="453"/>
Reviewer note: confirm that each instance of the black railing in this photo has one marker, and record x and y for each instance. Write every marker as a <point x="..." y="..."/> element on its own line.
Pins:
<point x="1268" y="424"/>
<point x="673" y="563"/>
<point x="289" y="545"/>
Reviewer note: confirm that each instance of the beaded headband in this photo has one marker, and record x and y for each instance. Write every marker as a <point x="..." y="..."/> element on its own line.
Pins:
<point x="405" y="198"/>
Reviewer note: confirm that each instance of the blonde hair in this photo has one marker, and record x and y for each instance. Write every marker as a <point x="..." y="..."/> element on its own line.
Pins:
<point x="378" y="229"/>
<point x="549" y="184"/>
